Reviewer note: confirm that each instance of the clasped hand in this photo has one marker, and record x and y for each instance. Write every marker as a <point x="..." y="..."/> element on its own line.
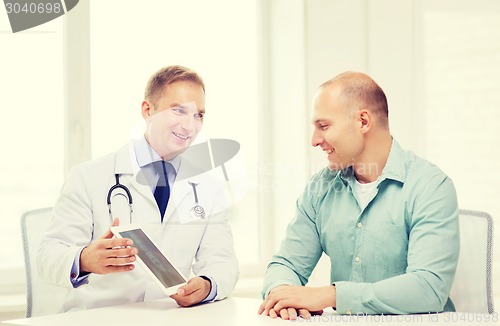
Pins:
<point x="290" y="302"/>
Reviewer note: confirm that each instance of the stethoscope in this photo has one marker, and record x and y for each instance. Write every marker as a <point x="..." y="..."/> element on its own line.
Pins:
<point x="127" y="194"/>
<point x="196" y="211"/>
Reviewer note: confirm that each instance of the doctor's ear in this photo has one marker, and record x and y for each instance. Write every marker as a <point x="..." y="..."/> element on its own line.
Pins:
<point x="147" y="109"/>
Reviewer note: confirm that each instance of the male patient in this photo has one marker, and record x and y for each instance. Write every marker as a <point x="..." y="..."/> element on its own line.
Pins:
<point x="387" y="218"/>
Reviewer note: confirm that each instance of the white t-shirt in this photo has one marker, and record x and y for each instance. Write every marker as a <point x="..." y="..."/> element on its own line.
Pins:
<point x="364" y="192"/>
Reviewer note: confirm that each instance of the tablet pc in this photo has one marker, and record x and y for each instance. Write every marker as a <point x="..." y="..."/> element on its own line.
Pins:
<point x="152" y="259"/>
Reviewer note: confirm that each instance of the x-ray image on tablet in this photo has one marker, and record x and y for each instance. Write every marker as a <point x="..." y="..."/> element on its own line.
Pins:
<point x="152" y="259"/>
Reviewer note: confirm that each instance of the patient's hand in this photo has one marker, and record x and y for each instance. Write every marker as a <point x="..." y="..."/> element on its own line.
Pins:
<point x="289" y="302"/>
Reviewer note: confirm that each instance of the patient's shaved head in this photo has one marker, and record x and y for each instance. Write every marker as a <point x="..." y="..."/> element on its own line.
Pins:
<point x="358" y="91"/>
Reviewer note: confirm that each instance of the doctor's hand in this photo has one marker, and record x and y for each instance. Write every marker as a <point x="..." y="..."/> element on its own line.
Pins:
<point x="108" y="255"/>
<point x="193" y="292"/>
<point x="289" y="302"/>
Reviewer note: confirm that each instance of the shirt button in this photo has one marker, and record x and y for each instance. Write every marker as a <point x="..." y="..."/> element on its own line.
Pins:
<point x="348" y="312"/>
<point x="357" y="259"/>
<point x="360" y="225"/>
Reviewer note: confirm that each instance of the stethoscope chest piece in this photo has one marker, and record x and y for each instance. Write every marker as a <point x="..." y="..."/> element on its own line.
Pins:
<point x="197" y="212"/>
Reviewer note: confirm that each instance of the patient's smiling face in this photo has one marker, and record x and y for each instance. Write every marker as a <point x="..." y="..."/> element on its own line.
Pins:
<point x="336" y="128"/>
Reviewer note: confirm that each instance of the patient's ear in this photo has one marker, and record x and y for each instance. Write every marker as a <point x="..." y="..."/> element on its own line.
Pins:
<point x="365" y="120"/>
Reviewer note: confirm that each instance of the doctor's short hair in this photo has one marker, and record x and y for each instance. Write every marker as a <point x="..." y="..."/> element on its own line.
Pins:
<point x="169" y="75"/>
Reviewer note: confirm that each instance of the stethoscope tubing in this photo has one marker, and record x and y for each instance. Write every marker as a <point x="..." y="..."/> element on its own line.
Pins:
<point x="196" y="211"/>
<point x="118" y="185"/>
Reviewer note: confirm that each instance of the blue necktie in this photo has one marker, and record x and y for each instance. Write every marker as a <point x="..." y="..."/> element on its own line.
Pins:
<point x="162" y="191"/>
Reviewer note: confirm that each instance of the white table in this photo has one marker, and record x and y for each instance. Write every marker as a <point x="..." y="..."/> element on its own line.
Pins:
<point x="233" y="312"/>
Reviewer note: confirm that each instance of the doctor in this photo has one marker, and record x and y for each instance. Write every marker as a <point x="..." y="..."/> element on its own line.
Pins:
<point x="77" y="250"/>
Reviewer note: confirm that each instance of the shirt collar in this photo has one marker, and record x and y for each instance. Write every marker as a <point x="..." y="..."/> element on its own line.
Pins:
<point x="395" y="167"/>
<point x="145" y="154"/>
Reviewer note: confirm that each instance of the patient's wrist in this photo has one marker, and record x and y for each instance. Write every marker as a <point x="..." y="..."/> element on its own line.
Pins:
<point x="332" y="297"/>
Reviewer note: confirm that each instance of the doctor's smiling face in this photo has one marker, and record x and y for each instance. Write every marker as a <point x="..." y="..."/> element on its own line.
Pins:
<point x="175" y="118"/>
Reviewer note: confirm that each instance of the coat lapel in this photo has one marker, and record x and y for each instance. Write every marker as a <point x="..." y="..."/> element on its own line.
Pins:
<point x="178" y="193"/>
<point x="182" y="188"/>
<point x="126" y="164"/>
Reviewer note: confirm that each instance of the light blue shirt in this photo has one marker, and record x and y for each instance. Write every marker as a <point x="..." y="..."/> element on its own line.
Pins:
<point x="145" y="155"/>
<point x="398" y="255"/>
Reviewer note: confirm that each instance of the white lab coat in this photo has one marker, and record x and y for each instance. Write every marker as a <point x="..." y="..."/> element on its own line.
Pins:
<point x="81" y="215"/>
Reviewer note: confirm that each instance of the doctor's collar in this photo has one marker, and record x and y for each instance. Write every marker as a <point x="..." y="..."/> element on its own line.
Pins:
<point x="145" y="154"/>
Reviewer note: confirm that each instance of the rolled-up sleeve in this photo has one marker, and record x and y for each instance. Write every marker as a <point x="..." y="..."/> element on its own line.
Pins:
<point x="300" y="250"/>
